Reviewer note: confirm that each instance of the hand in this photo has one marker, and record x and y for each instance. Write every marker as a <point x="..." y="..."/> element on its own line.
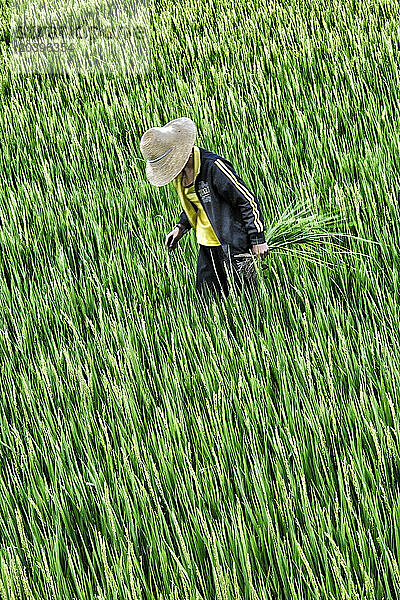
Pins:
<point x="172" y="239"/>
<point x="260" y="250"/>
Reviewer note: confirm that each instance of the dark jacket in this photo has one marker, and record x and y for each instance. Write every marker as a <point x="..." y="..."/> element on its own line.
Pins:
<point x="233" y="211"/>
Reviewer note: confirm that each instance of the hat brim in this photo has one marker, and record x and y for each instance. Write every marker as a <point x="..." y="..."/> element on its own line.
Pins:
<point x="165" y="170"/>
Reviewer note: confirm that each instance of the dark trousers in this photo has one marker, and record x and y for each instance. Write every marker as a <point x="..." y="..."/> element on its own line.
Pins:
<point x="214" y="267"/>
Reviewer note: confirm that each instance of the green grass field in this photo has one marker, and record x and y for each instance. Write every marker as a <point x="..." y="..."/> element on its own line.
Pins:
<point x="152" y="449"/>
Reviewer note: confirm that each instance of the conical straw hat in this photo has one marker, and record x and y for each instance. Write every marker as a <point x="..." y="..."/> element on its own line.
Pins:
<point x="167" y="149"/>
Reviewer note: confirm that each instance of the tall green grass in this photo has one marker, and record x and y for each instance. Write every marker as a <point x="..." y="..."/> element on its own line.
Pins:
<point x="155" y="448"/>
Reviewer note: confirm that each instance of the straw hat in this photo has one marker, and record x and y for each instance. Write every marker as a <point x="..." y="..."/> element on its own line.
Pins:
<point x="167" y="149"/>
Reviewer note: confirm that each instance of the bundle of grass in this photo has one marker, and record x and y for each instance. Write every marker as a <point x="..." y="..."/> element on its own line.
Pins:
<point x="310" y="236"/>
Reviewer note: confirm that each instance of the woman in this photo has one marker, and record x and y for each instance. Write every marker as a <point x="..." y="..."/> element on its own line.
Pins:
<point x="216" y="203"/>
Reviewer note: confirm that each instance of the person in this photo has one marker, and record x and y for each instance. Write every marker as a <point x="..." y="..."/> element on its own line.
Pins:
<point x="216" y="203"/>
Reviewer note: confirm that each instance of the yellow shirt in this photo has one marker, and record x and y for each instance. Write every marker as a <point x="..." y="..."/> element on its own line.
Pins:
<point x="199" y="220"/>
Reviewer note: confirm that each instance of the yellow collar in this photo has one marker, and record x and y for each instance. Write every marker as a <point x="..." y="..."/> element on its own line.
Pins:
<point x="196" y="168"/>
<point x="186" y="205"/>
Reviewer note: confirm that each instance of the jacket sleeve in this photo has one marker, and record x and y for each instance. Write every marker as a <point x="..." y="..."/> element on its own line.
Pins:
<point x="183" y="220"/>
<point x="231" y="187"/>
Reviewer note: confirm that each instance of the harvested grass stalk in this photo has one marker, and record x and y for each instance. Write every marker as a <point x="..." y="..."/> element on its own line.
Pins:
<point x="298" y="232"/>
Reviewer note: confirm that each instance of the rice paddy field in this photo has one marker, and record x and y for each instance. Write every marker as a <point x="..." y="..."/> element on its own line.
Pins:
<point x="153" y="447"/>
